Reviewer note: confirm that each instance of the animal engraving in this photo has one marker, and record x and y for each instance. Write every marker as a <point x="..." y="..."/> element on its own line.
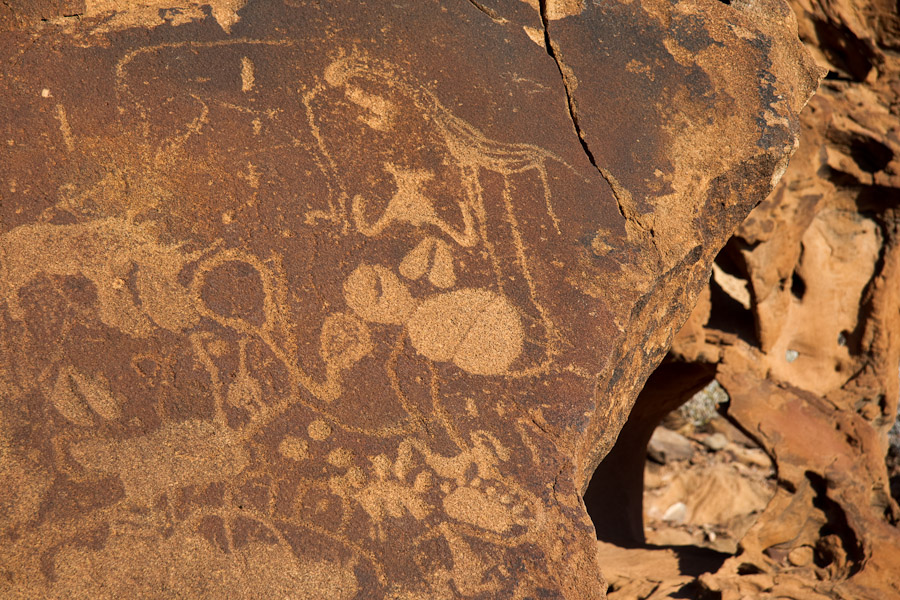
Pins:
<point x="247" y="394"/>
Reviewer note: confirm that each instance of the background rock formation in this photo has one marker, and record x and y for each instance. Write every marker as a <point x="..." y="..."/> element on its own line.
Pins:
<point x="348" y="299"/>
<point x="800" y="325"/>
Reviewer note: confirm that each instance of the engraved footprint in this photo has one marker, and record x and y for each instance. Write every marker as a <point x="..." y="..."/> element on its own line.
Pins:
<point x="486" y="508"/>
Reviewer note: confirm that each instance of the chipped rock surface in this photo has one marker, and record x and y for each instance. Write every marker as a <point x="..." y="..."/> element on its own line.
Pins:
<point x="348" y="299"/>
<point x="800" y="326"/>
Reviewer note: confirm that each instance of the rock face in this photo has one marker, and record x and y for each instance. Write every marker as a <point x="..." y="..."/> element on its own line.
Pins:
<point x="799" y="325"/>
<point x="347" y="300"/>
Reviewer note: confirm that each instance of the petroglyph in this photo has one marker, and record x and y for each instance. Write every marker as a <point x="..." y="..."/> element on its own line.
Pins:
<point x="152" y="13"/>
<point x="244" y="391"/>
<point x="76" y="396"/>
<point x="268" y="342"/>
<point x="294" y="448"/>
<point x="419" y="200"/>
<point x="472" y="506"/>
<point x="409" y="205"/>
<point x="319" y="430"/>
<point x="470" y="484"/>
<point x="109" y="252"/>
<point x="478" y="330"/>
<point x="189" y="453"/>
<point x="377" y="295"/>
<point x="345" y="341"/>
<point x="247" y="79"/>
<point x="189" y="566"/>
<point x="293" y="305"/>
<point x="64" y="128"/>
<point x="431" y="255"/>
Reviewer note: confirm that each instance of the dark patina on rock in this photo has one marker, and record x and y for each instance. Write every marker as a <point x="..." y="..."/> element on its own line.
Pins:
<point x="346" y="300"/>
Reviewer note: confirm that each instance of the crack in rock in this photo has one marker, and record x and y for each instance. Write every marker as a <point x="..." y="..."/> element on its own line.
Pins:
<point x="624" y="200"/>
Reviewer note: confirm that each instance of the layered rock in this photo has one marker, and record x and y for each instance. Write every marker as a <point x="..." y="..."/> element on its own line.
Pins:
<point x="799" y="325"/>
<point x="347" y="300"/>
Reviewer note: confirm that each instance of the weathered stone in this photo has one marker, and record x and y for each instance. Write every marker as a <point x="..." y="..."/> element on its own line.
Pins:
<point x="336" y="299"/>
<point x="715" y="441"/>
<point x="801" y="556"/>
<point x="666" y="445"/>
<point x="720" y="496"/>
<point x="676" y="513"/>
<point x="811" y="364"/>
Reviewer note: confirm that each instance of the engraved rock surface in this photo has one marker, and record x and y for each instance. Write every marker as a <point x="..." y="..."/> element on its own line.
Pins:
<point x="347" y="300"/>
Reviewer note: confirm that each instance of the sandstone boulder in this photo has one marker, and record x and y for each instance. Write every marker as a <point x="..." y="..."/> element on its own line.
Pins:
<point x="666" y="445"/>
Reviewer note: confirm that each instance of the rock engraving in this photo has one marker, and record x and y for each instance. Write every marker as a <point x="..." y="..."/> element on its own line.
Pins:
<point x="290" y="305"/>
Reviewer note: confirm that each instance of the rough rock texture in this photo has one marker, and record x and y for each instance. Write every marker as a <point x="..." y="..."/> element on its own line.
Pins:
<point x="338" y="300"/>
<point x="712" y="499"/>
<point x="800" y="325"/>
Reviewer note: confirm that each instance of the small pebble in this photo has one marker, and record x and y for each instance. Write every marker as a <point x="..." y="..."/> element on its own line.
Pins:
<point x="676" y="513"/>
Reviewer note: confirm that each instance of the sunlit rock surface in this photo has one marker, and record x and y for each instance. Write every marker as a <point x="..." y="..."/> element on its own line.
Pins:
<point x="347" y="300"/>
<point x="800" y="326"/>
